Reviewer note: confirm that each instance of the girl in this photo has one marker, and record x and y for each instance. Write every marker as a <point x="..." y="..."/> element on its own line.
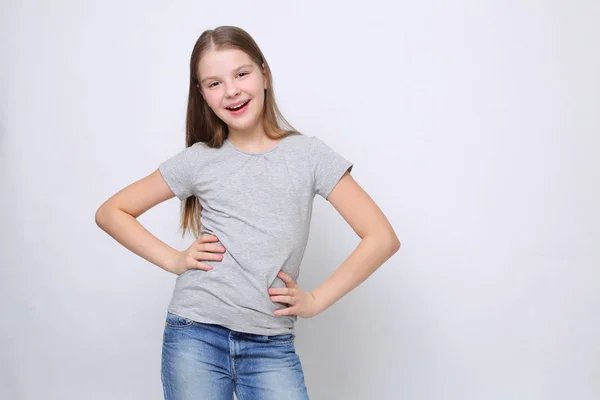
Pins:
<point x="247" y="187"/>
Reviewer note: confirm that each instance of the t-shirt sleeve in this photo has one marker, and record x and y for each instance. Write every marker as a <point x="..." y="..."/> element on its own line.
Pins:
<point x="179" y="172"/>
<point x="328" y="166"/>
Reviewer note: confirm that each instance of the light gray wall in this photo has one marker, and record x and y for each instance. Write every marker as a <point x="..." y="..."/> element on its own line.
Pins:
<point x="474" y="125"/>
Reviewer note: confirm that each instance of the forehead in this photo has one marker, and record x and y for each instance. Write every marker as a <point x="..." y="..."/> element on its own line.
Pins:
<point x="221" y="62"/>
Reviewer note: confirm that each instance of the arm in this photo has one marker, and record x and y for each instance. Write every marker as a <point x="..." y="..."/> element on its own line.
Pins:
<point x="378" y="241"/>
<point x="118" y="217"/>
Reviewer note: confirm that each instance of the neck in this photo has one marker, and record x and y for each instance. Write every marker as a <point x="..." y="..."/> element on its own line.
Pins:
<point x="252" y="139"/>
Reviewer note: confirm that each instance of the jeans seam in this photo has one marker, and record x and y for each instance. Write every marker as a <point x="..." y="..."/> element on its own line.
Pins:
<point x="232" y="360"/>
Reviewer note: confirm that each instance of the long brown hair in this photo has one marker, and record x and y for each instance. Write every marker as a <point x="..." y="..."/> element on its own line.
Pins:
<point x="203" y="125"/>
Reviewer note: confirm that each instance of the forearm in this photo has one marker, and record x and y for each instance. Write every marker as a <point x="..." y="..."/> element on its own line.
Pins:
<point x="127" y="230"/>
<point x="369" y="255"/>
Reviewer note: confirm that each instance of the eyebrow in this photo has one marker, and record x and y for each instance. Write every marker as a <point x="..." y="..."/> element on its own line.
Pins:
<point x="238" y="68"/>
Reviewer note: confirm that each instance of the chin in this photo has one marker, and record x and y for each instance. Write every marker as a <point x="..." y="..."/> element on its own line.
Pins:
<point x="245" y="123"/>
<point x="242" y="127"/>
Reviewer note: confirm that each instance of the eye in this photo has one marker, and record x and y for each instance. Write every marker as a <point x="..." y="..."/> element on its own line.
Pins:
<point x="241" y="74"/>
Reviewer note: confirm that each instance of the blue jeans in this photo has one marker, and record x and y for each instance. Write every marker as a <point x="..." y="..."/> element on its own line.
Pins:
<point x="210" y="362"/>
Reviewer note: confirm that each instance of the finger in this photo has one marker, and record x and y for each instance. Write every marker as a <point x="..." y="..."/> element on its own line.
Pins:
<point x="285" y="311"/>
<point x="282" y="299"/>
<point x="214" y="248"/>
<point x="282" y="290"/>
<point x="202" y="266"/>
<point x="204" y="256"/>
<point x="289" y="282"/>
<point x="207" y="238"/>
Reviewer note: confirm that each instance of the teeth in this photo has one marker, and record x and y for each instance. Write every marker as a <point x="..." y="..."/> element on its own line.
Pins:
<point x="238" y="107"/>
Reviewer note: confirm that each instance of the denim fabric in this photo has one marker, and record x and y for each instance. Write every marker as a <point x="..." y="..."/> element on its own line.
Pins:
<point x="209" y="361"/>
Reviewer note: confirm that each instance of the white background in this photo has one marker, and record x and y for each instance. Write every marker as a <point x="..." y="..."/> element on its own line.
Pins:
<point x="474" y="125"/>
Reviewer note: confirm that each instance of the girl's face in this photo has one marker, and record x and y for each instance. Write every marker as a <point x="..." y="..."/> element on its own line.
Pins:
<point x="229" y="78"/>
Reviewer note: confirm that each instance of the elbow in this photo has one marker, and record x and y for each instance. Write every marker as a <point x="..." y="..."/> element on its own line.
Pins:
<point x="103" y="216"/>
<point x="106" y="214"/>
<point x="393" y="244"/>
<point x="99" y="217"/>
<point x="386" y="242"/>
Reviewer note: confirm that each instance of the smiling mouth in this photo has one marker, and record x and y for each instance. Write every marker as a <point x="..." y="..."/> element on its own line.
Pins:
<point x="237" y="108"/>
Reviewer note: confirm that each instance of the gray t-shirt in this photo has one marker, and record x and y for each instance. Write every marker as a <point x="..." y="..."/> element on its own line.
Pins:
<point x="259" y="205"/>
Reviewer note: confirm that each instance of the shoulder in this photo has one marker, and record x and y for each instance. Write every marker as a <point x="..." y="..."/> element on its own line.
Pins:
<point x="297" y="138"/>
<point x="200" y="147"/>
<point x="300" y="141"/>
<point x="201" y="151"/>
<point x="190" y="157"/>
<point x="312" y="147"/>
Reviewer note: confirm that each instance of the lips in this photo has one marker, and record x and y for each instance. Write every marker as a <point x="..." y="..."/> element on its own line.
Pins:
<point x="236" y="106"/>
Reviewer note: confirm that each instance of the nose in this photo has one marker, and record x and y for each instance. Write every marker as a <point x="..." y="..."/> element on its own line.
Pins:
<point x="232" y="90"/>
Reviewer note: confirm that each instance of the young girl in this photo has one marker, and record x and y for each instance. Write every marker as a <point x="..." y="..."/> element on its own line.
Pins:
<point x="247" y="187"/>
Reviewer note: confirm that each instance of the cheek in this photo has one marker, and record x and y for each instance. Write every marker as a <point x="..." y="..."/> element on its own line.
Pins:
<point x="258" y="92"/>
<point x="253" y="87"/>
<point x="213" y="100"/>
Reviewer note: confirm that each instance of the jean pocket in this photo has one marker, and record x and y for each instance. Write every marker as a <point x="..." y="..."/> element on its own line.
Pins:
<point x="177" y="321"/>
<point x="286" y="338"/>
